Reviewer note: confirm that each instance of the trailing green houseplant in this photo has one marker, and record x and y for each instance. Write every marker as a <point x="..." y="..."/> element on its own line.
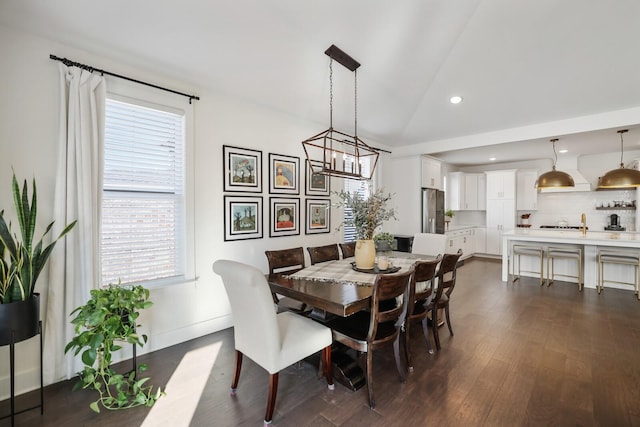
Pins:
<point x="107" y="320"/>
<point x="22" y="261"/>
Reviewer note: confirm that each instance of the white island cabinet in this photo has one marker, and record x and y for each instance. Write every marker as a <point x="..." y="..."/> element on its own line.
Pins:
<point x="590" y="242"/>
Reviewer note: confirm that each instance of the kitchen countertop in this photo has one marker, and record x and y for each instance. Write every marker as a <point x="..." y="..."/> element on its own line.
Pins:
<point x="590" y="242"/>
<point x="460" y="227"/>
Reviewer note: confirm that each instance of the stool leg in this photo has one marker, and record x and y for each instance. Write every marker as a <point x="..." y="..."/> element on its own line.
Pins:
<point x="580" y="274"/>
<point x="541" y="267"/>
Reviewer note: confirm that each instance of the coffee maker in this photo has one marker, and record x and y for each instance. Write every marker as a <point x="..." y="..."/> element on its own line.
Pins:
<point x="614" y="223"/>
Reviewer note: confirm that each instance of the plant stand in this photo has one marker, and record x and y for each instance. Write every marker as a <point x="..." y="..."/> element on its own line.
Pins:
<point x="12" y="344"/>
<point x="19" y="321"/>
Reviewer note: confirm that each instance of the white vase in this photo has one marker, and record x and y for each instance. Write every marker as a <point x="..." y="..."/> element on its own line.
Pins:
<point x="365" y="254"/>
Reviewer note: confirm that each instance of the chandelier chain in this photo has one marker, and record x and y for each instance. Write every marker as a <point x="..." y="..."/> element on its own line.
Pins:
<point x="331" y="93"/>
<point x="355" y="102"/>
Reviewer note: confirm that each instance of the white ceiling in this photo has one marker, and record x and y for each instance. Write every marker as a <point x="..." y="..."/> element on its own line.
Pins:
<point x="516" y="63"/>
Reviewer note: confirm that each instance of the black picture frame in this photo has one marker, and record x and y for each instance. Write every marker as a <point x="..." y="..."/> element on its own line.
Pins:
<point x="284" y="174"/>
<point x="242" y="169"/>
<point x="318" y="216"/>
<point x="242" y="218"/>
<point x="316" y="184"/>
<point x="284" y="216"/>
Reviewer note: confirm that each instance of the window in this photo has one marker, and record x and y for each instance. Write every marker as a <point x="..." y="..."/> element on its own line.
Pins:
<point x="143" y="219"/>
<point x="355" y="186"/>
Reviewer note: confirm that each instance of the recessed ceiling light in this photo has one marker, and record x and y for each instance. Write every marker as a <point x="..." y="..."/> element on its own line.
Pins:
<point x="455" y="99"/>
<point x="563" y="151"/>
<point x="492" y="158"/>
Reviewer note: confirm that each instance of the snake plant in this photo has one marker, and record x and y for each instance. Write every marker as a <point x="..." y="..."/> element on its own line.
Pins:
<point x="22" y="261"/>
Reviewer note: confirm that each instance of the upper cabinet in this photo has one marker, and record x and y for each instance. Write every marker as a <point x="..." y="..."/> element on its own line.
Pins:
<point x="466" y="191"/>
<point x="475" y="194"/>
<point x="501" y="184"/>
<point x="527" y="194"/>
<point x="431" y="173"/>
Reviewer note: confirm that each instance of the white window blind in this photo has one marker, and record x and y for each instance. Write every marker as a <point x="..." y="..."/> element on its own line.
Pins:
<point x="143" y="196"/>
<point x="355" y="186"/>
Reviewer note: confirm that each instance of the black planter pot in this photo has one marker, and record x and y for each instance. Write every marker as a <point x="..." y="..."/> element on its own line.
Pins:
<point x="22" y="318"/>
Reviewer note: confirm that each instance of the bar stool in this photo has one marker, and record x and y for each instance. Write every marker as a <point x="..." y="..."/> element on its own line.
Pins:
<point x="564" y="252"/>
<point x="528" y="250"/>
<point x="630" y="258"/>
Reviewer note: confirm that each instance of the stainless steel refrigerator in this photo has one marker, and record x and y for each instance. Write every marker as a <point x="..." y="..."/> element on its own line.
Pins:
<point x="432" y="211"/>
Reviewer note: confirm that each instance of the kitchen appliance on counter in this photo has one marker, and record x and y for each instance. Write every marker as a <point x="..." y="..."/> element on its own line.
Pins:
<point x="432" y="211"/>
<point x="614" y="223"/>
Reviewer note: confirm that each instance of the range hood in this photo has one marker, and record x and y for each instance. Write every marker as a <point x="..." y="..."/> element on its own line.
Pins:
<point x="570" y="166"/>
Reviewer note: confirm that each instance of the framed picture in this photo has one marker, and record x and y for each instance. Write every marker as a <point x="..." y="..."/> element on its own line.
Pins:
<point x="284" y="217"/>
<point x="284" y="174"/>
<point x="316" y="184"/>
<point x="242" y="169"/>
<point x="318" y="216"/>
<point x="242" y="217"/>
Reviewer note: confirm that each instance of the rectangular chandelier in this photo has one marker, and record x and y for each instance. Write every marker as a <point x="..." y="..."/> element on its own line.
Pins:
<point x="333" y="152"/>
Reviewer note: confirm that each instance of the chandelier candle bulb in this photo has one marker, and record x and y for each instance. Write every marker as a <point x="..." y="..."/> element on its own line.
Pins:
<point x="334" y="160"/>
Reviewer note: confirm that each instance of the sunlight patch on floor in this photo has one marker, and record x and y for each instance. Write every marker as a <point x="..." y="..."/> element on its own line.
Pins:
<point x="184" y="389"/>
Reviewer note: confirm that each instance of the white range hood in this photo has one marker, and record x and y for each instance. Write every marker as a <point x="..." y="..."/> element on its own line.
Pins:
<point x="570" y="166"/>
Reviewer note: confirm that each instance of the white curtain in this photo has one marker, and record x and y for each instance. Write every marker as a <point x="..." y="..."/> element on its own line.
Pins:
<point x="75" y="263"/>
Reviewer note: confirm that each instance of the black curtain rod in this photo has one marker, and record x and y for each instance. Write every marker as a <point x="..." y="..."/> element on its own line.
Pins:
<point x="70" y="63"/>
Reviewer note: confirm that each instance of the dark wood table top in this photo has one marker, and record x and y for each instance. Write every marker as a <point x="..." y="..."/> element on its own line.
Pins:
<point x="339" y="298"/>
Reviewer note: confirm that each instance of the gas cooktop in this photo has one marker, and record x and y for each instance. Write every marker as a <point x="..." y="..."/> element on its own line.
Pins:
<point x="563" y="227"/>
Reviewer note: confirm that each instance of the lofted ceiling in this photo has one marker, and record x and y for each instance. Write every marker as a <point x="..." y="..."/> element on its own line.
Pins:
<point x="516" y="64"/>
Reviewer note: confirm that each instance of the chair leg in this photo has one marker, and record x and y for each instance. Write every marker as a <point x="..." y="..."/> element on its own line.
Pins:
<point x="425" y="331"/>
<point x="396" y="354"/>
<point x="434" y="322"/>
<point x="271" y="402"/>
<point x="326" y="361"/>
<point x="372" y="402"/>
<point x="236" y="373"/>
<point x="446" y="313"/>
<point x="405" y="340"/>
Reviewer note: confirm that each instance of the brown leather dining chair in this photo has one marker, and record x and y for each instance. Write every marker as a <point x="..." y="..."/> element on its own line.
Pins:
<point x="446" y="279"/>
<point x="348" y="249"/>
<point x="286" y="261"/>
<point x="420" y="291"/>
<point x="323" y="253"/>
<point x="366" y="331"/>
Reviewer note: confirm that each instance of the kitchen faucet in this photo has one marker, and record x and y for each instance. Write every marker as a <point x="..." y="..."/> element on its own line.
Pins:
<point x="583" y="220"/>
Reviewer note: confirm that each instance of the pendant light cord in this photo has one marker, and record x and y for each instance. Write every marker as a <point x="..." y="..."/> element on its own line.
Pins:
<point x="555" y="155"/>
<point x="622" y="146"/>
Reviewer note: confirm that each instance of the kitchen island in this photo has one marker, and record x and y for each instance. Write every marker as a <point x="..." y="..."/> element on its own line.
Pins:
<point x="589" y="242"/>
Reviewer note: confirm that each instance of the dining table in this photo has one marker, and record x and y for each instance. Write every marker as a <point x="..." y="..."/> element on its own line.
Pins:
<point x="337" y="288"/>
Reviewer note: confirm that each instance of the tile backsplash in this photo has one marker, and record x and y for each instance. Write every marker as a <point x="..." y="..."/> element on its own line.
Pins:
<point x="554" y="207"/>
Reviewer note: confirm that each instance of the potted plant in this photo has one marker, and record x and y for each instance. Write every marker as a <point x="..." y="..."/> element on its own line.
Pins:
<point x="448" y="216"/>
<point x="107" y="319"/>
<point x="21" y="262"/>
<point x="383" y="241"/>
<point x="366" y="216"/>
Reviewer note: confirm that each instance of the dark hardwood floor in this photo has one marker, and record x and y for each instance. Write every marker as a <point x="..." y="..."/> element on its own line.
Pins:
<point x="521" y="355"/>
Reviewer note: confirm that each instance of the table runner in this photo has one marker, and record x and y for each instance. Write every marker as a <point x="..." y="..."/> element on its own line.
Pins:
<point x="341" y="271"/>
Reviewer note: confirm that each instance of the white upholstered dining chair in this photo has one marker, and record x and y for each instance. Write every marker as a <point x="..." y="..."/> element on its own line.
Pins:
<point x="429" y="244"/>
<point x="272" y="340"/>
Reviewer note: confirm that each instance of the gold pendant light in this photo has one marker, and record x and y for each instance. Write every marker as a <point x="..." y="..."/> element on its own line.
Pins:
<point x="620" y="178"/>
<point x="554" y="178"/>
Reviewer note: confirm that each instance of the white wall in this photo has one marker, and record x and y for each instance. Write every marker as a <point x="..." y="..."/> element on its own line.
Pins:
<point x="28" y="131"/>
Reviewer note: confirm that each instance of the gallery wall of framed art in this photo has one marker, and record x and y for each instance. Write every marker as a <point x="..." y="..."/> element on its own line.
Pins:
<point x="244" y="216"/>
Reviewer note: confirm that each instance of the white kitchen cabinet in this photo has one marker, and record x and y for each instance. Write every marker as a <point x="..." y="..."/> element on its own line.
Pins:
<point x="455" y="190"/>
<point x="475" y="193"/>
<point x="501" y="184"/>
<point x="431" y="173"/>
<point x="501" y="217"/>
<point x="461" y="239"/>
<point x="526" y="193"/>
<point x="466" y="191"/>
<point x="480" y="240"/>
